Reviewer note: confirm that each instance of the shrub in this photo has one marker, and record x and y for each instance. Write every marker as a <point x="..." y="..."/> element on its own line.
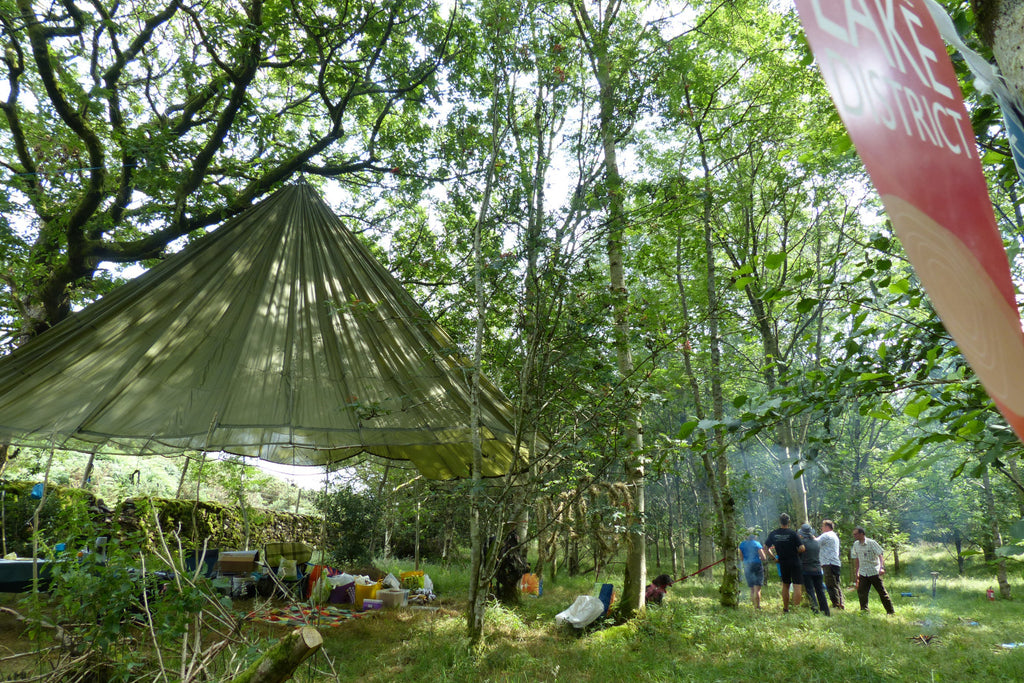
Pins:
<point x="350" y="520"/>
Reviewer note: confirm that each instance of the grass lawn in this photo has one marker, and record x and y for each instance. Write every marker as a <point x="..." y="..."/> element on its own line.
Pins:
<point x="689" y="638"/>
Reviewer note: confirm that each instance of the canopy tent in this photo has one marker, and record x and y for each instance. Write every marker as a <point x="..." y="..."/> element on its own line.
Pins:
<point x="276" y="336"/>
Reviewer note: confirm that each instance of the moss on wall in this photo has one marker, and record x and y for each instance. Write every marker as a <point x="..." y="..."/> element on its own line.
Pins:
<point x="221" y="526"/>
<point x="73" y="516"/>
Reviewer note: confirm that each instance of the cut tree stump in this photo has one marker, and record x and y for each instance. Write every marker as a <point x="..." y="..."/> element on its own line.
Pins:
<point x="280" y="661"/>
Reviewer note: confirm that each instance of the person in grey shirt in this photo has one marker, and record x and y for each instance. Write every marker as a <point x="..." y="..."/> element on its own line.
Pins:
<point x="831" y="564"/>
<point x="811" y="566"/>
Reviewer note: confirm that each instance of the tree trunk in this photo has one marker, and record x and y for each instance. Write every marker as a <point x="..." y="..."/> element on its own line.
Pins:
<point x="6" y="455"/>
<point x="958" y="542"/>
<point x="795" y="486"/>
<point x="478" y="571"/>
<point x="706" y="534"/>
<point x="598" y="37"/>
<point x="995" y="535"/>
<point x="1014" y="476"/>
<point x="712" y="452"/>
<point x="279" y="663"/>
<point x="670" y="526"/>
<point x="543" y="538"/>
<point x="678" y="538"/>
<point x="998" y="25"/>
<point x="572" y="554"/>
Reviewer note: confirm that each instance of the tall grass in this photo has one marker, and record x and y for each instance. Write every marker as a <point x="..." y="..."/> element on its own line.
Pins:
<point x="691" y="638"/>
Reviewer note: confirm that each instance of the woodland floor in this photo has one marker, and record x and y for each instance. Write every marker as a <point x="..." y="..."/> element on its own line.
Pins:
<point x="956" y="635"/>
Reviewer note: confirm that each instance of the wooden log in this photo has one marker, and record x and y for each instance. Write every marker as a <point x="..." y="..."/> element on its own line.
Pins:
<point x="279" y="663"/>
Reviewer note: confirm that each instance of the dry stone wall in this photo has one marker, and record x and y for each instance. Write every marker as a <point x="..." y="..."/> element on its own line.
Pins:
<point x="70" y="516"/>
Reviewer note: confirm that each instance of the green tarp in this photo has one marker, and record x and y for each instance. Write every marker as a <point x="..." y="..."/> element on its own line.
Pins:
<point x="276" y="336"/>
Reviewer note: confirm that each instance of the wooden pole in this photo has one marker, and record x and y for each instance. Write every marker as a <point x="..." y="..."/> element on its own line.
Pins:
<point x="88" y="470"/>
<point x="416" y="551"/>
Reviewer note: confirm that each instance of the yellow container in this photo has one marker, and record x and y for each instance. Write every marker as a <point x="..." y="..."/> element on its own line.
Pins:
<point x="366" y="593"/>
<point x="412" y="580"/>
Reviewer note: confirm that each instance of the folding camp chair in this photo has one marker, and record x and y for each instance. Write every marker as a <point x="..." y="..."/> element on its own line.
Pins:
<point x="278" y="558"/>
<point x="208" y="562"/>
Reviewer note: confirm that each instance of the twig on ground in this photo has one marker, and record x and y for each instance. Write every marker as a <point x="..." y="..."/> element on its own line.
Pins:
<point x="66" y="641"/>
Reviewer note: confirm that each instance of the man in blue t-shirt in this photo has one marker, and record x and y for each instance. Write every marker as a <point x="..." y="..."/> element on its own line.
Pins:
<point x="785" y="546"/>
<point x="753" y="570"/>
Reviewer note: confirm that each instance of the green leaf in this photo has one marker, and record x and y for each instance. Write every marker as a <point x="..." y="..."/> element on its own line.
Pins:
<point x="1010" y="550"/>
<point x="915" y="408"/>
<point x="842" y="143"/>
<point x="901" y="286"/>
<point x="993" y="158"/>
<point x="774" y="261"/>
<point x="806" y="305"/>
<point x="971" y="428"/>
<point x="686" y="429"/>
<point x="742" y="282"/>
<point x="882" y="411"/>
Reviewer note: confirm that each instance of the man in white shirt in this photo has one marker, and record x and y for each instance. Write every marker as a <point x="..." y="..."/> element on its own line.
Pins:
<point x="831" y="565"/>
<point x="869" y="563"/>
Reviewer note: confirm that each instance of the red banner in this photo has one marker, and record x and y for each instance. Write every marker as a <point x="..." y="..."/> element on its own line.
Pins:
<point x="894" y="86"/>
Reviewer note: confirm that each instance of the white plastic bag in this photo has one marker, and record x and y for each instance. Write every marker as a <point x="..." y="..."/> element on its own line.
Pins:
<point x="428" y="585"/>
<point x="342" y="580"/>
<point x="584" y="611"/>
<point x="391" y="582"/>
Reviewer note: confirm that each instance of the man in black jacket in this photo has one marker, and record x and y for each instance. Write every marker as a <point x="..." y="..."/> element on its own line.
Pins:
<point x="785" y="546"/>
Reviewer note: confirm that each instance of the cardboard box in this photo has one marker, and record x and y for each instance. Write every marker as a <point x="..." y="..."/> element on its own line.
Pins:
<point x="236" y="562"/>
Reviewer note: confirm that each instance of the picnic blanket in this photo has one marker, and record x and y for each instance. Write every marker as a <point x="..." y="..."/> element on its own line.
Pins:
<point x="300" y="615"/>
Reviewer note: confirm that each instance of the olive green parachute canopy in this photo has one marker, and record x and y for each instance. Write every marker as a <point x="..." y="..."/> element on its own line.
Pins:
<point x="276" y="336"/>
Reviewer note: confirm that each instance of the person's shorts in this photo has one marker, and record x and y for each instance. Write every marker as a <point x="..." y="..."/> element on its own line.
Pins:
<point x="791" y="571"/>
<point x="754" y="573"/>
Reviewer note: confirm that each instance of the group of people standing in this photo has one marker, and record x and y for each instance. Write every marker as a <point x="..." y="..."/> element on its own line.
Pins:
<point x="812" y="563"/>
